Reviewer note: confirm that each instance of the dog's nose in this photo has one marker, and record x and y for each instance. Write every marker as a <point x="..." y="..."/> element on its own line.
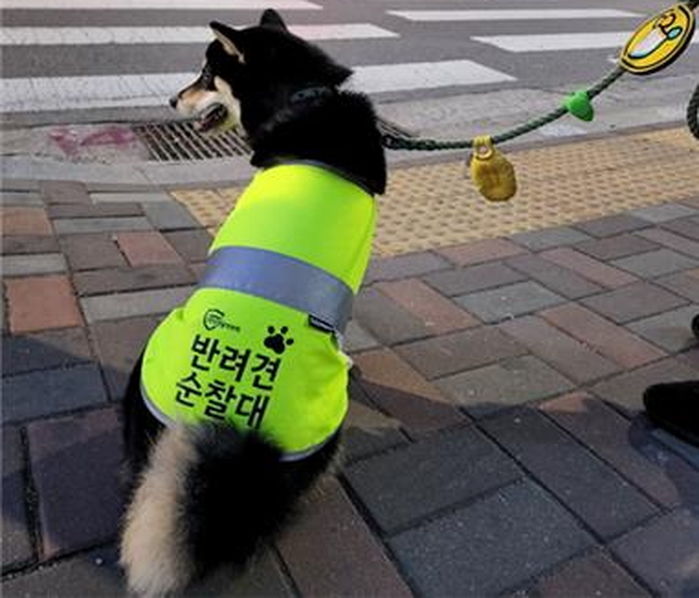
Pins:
<point x="173" y="101"/>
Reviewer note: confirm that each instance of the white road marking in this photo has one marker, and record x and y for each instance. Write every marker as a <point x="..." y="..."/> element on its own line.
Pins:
<point x="115" y="91"/>
<point x="160" y="4"/>
<point x="512" y="15"/>
<point x="559" y="41"/>
<point x="424" y="75"/>
<point x="77" y="36"/>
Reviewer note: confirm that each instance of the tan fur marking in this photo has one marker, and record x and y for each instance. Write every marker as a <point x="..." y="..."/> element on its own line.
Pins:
<point x="228" y="45"/>
<point x="230" y="102"/>
<point x="153" y="551"/>
<point x="193" y="100"/>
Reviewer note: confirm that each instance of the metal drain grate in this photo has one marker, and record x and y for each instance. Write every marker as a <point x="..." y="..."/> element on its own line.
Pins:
<point x="174" y="141"/>
<point x="168" y="142"/>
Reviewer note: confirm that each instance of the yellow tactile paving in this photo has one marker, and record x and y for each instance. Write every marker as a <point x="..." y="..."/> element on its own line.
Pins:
<point x="435" y="206"/>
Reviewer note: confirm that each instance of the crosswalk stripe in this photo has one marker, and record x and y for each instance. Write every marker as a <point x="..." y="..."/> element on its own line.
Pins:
<point x="160" y="4"/>
<point x="116" y="91"/>
<point x="559" y="41"/>
<point x="78" y="36"/>
<point x="424" y="75"/>
<point x="512" y="15"/>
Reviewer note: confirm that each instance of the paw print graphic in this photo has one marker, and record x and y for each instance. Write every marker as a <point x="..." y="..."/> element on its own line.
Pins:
<point x="277" y="341"/>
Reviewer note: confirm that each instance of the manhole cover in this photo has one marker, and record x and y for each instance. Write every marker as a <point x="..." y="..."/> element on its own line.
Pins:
<point x="175" y="141"/>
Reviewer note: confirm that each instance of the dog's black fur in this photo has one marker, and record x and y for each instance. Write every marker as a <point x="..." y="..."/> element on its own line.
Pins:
<point x="236" y="492"/>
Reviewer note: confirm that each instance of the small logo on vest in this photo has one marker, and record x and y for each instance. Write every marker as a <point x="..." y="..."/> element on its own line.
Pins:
<point x="277" y="341"/>
<point x="214" y="318"/>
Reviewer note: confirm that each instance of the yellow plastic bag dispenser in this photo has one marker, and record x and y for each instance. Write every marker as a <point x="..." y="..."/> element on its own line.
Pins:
<point x="491" y="172"/>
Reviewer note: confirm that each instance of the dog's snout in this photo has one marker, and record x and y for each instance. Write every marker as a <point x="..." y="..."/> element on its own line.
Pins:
<point x="173" y="101"/>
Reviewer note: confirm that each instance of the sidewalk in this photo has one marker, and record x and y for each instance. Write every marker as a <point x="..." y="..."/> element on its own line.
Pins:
<point x="496" y="443"/>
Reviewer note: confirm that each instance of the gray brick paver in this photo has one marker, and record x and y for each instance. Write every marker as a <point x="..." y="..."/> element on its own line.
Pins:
<point x="549" y="237"/>
<point x="655" y="263"/>
<point x="664" y="553"/>
<point x="633" y="302"/>
<point x="507" y="383"/>
<point x="169" y="215"/>
<point x="473" y="278"/>
<point x="570" y="472"/>
<point x="490" y="546"/>
<point x="556" y="278"/>
<point x="509" y="301"/>
<point x="670" y="330"/>
<point x="71" y="226"/>
<point x="133" y="304"/>
<point x="29" y="265"/>
<point x="49" y="392"/>
<point x="429" y="476"/>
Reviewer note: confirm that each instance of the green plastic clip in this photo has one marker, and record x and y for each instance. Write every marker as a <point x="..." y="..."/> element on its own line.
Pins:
<point x="579" y="105"/>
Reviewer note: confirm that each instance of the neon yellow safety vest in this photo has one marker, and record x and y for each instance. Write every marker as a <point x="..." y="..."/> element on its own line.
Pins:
<point x="254" y="345"/>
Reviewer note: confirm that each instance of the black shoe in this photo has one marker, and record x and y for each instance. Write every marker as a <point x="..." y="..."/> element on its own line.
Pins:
<point x="695" y="326"/>
<point x="674" y="406"/>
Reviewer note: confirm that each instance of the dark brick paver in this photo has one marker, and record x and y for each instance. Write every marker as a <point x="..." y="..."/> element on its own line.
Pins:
<point x="75" y="463"/>
<point x="27" y="244"/>
<point x="595" y="574"/>
<point x="601" y="335"/>
<point x="117" y="280"/>
<point x="385" y="319"/>
<point x="345" y="559"/>
<point x="481" y="251"/>
<point x="495" y="441"/>
<point x="16" y="540"/>
<point x="447" y="354"/>
<point x="64" y="192"/>
<point x="565" y="353"/>
<point x="91" y="251"/>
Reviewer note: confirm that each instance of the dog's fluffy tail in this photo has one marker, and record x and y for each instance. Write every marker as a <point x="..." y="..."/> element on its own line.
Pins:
<point x="208" y="496"/>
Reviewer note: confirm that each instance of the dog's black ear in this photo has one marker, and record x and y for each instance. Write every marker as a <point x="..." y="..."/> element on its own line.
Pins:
<point x="230" y="38"/>
<point x="271" y="18"/>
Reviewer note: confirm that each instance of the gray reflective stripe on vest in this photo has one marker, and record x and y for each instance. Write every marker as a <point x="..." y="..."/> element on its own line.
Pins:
<point x="282" y="279"/>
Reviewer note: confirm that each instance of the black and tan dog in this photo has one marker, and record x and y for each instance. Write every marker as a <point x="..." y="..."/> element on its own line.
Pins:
<point x="204" y="492"/>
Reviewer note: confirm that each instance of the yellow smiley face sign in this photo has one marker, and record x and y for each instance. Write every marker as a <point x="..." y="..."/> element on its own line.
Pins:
<point x="658" y="41"/>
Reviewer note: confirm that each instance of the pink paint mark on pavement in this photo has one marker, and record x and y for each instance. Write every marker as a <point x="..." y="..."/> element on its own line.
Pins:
<point x="71" y="141"/>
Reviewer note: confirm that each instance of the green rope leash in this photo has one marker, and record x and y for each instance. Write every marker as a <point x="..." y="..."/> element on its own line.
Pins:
<point x="693" y="113"/>
<point x="396" y="142"/>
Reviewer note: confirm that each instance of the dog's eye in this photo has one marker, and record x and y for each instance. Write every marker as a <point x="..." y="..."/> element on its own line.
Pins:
<point x="206" y="78"/>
